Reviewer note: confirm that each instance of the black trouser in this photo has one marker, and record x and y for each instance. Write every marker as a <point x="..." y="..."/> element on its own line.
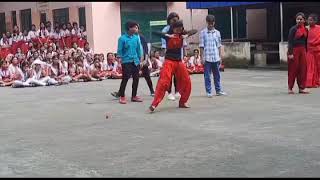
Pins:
<point x="175" y="85"/>
<point x="128" y="70"/>
<point x="146" y="74"/>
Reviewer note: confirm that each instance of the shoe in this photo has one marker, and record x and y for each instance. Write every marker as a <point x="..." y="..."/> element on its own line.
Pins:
<point x="290" y="92"/>
<point x="303" y="92"/>
<point x="115" y="94"/>
<point x="171" y="97"/>
<point x="122" y="100"/>
<point x="136" y="99"/>
<point x="152" y="94"/>
<point x="221" y="93"/>
<point x="184" y="106"/>
<point x="151" y="109"/>
<point x="177" y="95"/>
<point x="209" y="95"/>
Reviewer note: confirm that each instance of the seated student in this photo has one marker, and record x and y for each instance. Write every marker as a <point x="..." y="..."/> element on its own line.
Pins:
<point x="25" y="42"/>
<point x="57" y="73"/>
<point x="83" y="37"/>
<point x="27" y="72"/>
<point x="156" y="64"/>
<point x="87" y="49"/>
<point x="96" y="70"/>
<point x="32" y="35"/>
<point x="16" y="39"/>
<point x="111" y="67"/>
<point x="31" y="52"/>
<point x="80" y="72"/>
<point x="64" y="64"/>
<point x="18" y="53"/>
<point x="15" y="71"/>
<point x="197" y="62"/>
<point x="75" y="33"/>
<point x="68" y="38"/>
<point x="71" y="68"/>
<point x="5" y="75"/>
<point x="189" y="65"/>
<point x="40" y="76"/>
<point x="5" y="44"/>
<point x="55" y="36"/>
<point x="42" y="34"/>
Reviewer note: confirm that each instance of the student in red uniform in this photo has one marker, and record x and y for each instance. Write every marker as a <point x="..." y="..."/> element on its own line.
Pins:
<point x="42" y="34"/>
<point x="75" y="33"/>
<point x="68" y="38"/>
<point x="5" y="43"/>
<point x="25" y="42"/>
<point x="313" y="53"/>
<point x="16" y="39"/>
<point x="173" y="66"/>
<point x="32" y="35"/>
<point x="83" y="37"/>
<point x="5" y="74"/>
<point x="199" y="69"/>
<point x="297" y="65"/>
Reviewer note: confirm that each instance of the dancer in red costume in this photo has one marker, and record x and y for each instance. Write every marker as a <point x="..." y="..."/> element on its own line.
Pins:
<point x="173" y="65"/>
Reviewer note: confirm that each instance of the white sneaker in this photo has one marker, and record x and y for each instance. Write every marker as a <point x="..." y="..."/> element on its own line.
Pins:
<point x="221" y="93"/>
<point x="171" y="97"/>
<point x="209" y="95"/>
<point x="177" y="95"/>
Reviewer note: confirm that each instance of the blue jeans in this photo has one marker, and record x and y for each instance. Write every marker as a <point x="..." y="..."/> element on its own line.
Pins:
<point x="212" y="67"/>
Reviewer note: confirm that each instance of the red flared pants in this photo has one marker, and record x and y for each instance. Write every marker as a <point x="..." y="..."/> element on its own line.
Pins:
<point x="169" y="69"/>
<point x="297" y="68"/>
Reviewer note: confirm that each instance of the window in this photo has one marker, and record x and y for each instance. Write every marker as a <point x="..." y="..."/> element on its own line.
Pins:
<point x="82" y="17"/>
<point x="25" y="16"/>
<point x="61" y="15"/>
<point x="14" y="18"/>
<point x="2" y="23"/>
<point x="43" y="17"/>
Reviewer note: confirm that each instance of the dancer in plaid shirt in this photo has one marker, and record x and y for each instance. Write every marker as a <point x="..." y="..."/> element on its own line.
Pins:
<point x="210" y="52"/>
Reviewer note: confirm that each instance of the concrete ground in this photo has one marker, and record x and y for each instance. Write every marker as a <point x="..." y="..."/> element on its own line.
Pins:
<point x="258" y="130"/>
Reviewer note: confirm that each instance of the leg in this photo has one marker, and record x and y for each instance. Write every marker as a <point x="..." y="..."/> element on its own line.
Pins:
<point x="17" y="84"/>
<point x="135" y="81"/>
<point x="183" y="83"/>
<point x="292" y="71"/>
<point x="216" y="76"/>
<point x="207" y="76"/>
<point x="164" y="82"/>
<point x="310" y="69"/>
<point x="302" y="71"/>
<point x="125" y="78"/>
<point x="146" y="75"/>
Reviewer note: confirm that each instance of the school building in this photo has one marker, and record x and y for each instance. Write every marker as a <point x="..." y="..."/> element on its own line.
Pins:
<point x="104" y="21"/>
<point x="255" y="33"/>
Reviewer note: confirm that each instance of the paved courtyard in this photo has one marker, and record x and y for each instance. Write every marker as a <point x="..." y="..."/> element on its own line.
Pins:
<point x="258" y="130"/>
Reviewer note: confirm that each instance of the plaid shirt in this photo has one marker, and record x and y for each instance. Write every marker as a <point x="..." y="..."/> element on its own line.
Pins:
<point x="210" y="41"/>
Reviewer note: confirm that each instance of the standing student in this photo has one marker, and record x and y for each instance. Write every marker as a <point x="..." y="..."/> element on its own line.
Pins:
<point x="297" y="65"/>
<point x="129" y="50"/>
<point x="313" y="53"/>
<point x="172" y="17"/>
<point x="210" y="53"/>
<point x="5" y="44"/>
<point x="173" y="66"/>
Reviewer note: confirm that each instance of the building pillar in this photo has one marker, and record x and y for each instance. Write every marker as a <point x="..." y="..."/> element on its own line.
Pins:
<point x="103" y="21"/>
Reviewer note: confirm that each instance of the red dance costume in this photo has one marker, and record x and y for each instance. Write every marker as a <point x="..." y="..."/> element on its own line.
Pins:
<point x="313" y="57"/>
<point x="173" y="65"/>
<point x="297" y="67"/>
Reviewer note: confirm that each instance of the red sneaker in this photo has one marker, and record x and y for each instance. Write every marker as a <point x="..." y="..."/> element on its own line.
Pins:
<point x="136" y="99"/>
<point x="122" y="100"/>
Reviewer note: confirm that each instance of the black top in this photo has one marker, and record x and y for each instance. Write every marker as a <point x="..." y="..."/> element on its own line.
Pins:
<point x="144" y="44"/>
<point x="174" y="46"/>
<point x="295" y="42"/>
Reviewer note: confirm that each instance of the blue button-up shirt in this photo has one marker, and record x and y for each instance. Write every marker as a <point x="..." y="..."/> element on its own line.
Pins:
<point x="129" y="49"/>
<point x="211" y="42"/>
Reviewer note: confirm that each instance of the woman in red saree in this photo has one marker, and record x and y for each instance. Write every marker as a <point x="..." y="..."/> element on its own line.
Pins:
<point x="313" y="53"/>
